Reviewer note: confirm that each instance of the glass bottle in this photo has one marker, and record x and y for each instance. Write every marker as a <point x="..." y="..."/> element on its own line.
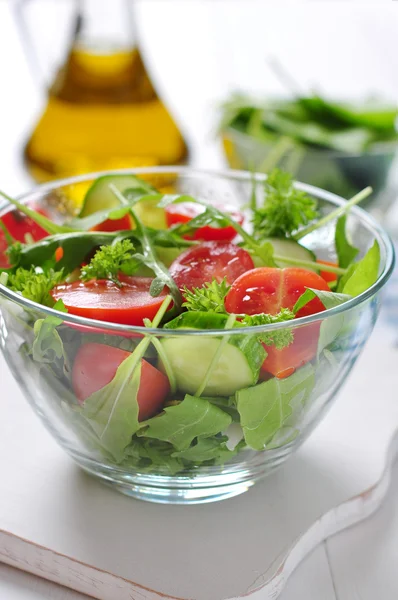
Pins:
<point x="102" y="111"/>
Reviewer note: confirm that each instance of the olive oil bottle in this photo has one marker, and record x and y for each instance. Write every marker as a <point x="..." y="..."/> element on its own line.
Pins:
<point x="102" y="111"/>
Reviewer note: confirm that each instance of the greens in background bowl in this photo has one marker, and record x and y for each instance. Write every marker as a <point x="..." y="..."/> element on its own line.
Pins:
<point x="341" y="147"/>
<point x="128" y="327"/>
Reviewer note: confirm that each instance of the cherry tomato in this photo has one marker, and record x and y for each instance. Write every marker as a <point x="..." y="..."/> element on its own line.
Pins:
<point x="210" y="260"/>
<point x="327" y="275"/>
<point x="18" y="226"/>
<point x="95" y="366"/>
<point x="267" y="290"/>
<point x="114" y="224"/>
<point x="100" y="299"/>
<point x="185" y="211"/>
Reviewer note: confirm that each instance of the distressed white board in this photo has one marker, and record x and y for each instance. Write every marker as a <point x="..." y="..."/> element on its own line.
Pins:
<point x="63" y="525"/>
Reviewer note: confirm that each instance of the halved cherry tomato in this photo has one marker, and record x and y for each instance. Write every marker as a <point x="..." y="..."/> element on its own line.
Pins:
<point x="327" y="275"/>
<point x="208" y="261"/>
<point x="18" y="226"/>
<point x="114" y="224"/>
<point x="267" y="290"/>
<point x="185" y="211"/>
<point x="100" y="299"/>
<point x="95" y="366"/>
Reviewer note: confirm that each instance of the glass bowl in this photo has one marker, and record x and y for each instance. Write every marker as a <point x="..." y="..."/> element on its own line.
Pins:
<point x="341" y="173"/>
<point x="224" y="444"/>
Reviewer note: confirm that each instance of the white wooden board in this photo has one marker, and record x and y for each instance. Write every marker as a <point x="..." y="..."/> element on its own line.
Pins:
<point x="63" y="525"/>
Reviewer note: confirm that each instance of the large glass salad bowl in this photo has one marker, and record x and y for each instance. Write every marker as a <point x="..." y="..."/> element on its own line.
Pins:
<point x="188" y="398"/>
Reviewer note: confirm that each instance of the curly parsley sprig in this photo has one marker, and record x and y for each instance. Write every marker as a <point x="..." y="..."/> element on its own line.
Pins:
<point x="111" y="260"/>
<point x="209" y="298"/>
<point x="35" y="285"/>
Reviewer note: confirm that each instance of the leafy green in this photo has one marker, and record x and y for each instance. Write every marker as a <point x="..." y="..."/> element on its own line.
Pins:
<point x="361" y="275"/>
<point x="47" y="345"/>
<point x="113" y="410"/>
<point x="210" y="297"/>
<point x="346" y="252"/>
<point x="285" y="208"/>
<point x="207" y="449"/>
<point x="181" y="424"/>
<point x="34" y="285"/>
<point x="152" y="455"/>
<point x="14" y="252"/>
<point x="265" y="407"/>
<point x="110" y="260"/>
<point x="280" y="338"/>
<point x="328" y="299"/>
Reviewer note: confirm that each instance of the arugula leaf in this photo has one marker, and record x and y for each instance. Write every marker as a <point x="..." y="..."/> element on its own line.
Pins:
<point x="110" y="260"/>
<point x="328" y="299"/>
<point x="285" y="208"/>
<point x="47" y="345"/>
<point x="150" y="454"/>
<point x="181" y="424"/>
<point x="113" y="410"/>
<point x="346" y="252"/>
<point x="33" y="285"/>
<point x="210" y="297"/>
<point x="265" y="407"/>
<point x="46" y="224"/>
<point x="362" y="275"/>
<point x="207" y="449"/>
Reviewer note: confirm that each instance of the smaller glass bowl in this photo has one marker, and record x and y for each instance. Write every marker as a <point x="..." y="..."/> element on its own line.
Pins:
<point x="295" y="407"/>
<point x="340" y="173"/>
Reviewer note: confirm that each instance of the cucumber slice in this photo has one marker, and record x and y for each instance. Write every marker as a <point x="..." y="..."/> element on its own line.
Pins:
<point x="100" y="197"/>
<point x="190" y="357"/>
<point x="288" y="248"/>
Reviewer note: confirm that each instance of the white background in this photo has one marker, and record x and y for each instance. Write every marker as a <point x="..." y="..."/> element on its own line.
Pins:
<point x="197" y="52"/>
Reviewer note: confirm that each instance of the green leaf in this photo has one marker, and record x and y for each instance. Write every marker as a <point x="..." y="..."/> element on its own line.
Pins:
<point x="47" y="345"/>
<point x="210" y="297"/>
<point x="152" y="455"/>
<point x="207" y="449"/>
<point x="113" y="410"/>
<point x="264" y="408"/>
<point x="110" y="260"/>
<point x="280" y="338"/>
<point x="362" y="275"/>
<point x="180" y="425"/>
<point x="346" y="252"/>
<point x="328" y="299"/>
<point x="35" y="286"/>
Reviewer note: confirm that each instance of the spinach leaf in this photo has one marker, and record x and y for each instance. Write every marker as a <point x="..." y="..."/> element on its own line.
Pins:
<point x="180" y="425"/>
<point x="362" y="275"/>
<point x="346" y="252"/>
<point x="265" y="407"/>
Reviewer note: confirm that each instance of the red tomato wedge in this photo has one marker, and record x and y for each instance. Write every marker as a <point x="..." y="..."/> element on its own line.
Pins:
<point x="95" y="366"/>
<point x="267" y="290"/>
<point x="100" y="299"/>
<point x="114" y="224"/>
<point x="19" y="225"/>
<point x="327" y="275"/>
<point x="208" y="261"/>
<point x="185" y="211"/>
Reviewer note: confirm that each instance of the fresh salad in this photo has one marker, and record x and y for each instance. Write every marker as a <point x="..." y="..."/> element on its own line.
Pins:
<point x="221" y="369"/>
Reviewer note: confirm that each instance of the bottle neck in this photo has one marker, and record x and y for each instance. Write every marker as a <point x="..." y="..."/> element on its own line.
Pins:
<point x="105" y="26"/>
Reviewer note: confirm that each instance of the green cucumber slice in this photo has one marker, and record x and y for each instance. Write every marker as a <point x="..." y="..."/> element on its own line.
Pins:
<point x="288" y="248"/>
<point x="100" y="197"/>
<point x="190" y="357"/>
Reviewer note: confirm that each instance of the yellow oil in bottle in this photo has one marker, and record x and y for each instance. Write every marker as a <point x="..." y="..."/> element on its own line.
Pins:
<point x="102" y="113"/>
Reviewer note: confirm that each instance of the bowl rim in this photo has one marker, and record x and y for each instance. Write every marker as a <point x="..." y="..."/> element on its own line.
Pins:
<point x="380" y="148"/>
<point x="227" y="174"/>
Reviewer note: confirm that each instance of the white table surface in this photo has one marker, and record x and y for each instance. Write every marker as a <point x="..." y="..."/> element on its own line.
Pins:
<point x="360" y="563"/>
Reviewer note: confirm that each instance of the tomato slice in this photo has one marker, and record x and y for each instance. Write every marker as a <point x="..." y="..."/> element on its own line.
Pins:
<point x="185" y="211"/>
<point x="95" y="366"/>
<point x="114" y="224"/>
<point x="208" y="261"/>
<point x="267" y="290"/>
<point x="327" y="275"/>
<point x="19" y="225"/>
<point x="100" y="299"/>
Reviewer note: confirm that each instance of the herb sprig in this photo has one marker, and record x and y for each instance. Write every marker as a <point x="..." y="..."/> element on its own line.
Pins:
<point x="110" y="260"/>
